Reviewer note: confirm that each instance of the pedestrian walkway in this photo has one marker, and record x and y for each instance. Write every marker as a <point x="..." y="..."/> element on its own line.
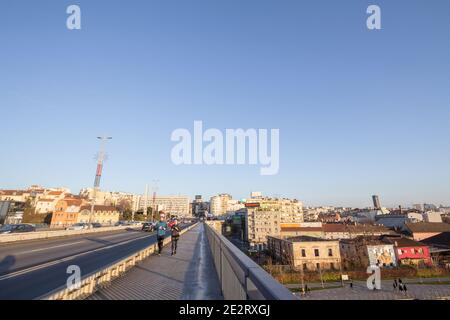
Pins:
<point x="190" y="274"/>
<point x="361" y="292"/>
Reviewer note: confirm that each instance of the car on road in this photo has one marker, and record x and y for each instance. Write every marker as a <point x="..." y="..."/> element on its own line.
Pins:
<point x="78" y="226"/>
<point x="122" y="223"/>
<point x="96" y="225"/>
<point x="16" y="228"/>
<point x="148" y="226"/>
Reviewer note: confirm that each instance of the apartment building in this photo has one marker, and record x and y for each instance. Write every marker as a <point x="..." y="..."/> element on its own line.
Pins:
<point x="66" y="213"/>
<point x="265" y="216"/>
<point x="219" y="204"/>
<point x="306" y="253"/>
<point x="177" y="205"/>
<point x="14" y="195"/>
<point x="291" y="210"/>
<point x="260" y="225"/>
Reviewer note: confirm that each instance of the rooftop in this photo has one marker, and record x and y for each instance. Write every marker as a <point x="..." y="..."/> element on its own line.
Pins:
<point x="428" y="227"/>
<point x="440" y="240"/>
<point x="339" y="227"/>
<point x="12" y="192"/>
<point x="404" y="242"/>
<point x="307" y="239"/>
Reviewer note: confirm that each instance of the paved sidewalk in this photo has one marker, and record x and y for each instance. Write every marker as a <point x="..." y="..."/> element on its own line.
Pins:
<point x="190" y="274"/>
<point x="361" y="292"/>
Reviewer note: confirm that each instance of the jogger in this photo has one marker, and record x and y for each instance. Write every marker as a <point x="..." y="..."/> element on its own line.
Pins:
<point x="175" y="236"/>
<point x="161" y="227"/>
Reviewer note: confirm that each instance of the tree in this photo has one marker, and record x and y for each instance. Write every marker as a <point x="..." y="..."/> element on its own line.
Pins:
<point x="124" y="205"/>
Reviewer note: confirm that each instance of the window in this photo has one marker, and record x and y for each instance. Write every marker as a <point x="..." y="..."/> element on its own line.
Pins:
<point x="318" y="266"/>
<point x="305" y="266"/>
<point x="332" y="266"/>
<point x="316" y="252"/>
<point x="330" y="252"/>
<point x="303" y="253"/>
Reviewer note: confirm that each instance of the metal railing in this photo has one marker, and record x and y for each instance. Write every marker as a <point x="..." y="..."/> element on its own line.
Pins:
<point x="100" y="278"/>
<point x="240" y="277"/>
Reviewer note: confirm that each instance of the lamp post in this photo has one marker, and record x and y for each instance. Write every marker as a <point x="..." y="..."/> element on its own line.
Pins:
<point x="155" y="189"/>
<point x="98" y="174"/>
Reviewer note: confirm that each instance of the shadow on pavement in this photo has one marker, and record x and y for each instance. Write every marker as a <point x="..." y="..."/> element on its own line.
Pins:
<point x="6" y="264"/>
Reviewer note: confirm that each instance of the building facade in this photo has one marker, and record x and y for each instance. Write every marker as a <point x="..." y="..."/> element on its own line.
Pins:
<point x="265" y="216"/>
<point x="306" y="253"/>
<point x="173" y="205"/>
<point x="219" y="204"/>
<point x="105" y="215"/>
<point x="410" y="252"/>
<point x="362" y="252"/>
<point x="66" y="213"/>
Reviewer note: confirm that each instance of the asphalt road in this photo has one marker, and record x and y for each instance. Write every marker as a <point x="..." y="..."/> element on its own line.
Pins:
<point x="31" y="269"/>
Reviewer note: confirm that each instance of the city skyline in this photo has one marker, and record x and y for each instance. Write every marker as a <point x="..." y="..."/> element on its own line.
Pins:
<point x="359" y="112"/>
<point x="207" y="197"/>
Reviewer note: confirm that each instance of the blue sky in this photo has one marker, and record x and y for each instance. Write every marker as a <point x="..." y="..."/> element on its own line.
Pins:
<point x="360" y="112"/>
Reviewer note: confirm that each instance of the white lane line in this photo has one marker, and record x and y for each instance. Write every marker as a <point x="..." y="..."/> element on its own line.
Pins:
<point x="51" y="263"/>
<point x="49" y="248"/>
<point x="116" y="235"/>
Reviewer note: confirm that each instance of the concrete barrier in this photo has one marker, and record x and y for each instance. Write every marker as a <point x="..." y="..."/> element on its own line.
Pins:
<point x="5" y="238"/>
<point x="101" y="278"/>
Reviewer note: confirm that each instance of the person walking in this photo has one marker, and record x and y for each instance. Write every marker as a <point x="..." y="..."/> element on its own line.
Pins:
<point x="405" y="289"/>
<point x="161" y="228"/>
<point x="395" y="284"/>
<point x="175" y="228"/>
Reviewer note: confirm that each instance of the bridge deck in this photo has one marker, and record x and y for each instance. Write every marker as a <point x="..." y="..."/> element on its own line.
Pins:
<point x="189" y="275"/>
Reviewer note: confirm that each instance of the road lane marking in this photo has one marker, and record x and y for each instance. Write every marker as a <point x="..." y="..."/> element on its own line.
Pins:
<point x="49" y="248"/>
<point x="51" y="263"/>
<point x="115" y="235"/>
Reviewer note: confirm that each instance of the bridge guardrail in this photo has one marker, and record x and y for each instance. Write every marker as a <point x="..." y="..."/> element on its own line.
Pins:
<point x="240" y="277"/>
<point x="100" y="278"/>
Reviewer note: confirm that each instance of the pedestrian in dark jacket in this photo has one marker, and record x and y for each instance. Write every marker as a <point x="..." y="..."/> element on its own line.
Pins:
<point x="175" y="228"/>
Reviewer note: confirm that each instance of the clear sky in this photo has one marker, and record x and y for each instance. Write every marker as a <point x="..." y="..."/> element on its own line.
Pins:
<point x="360" y="112"/>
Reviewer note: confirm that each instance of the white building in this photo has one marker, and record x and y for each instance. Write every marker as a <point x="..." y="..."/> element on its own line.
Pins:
<point x="234" y="205"/>
<point x="219" y="204"/>
<point x="45" y="206"/>
<point x="432" y="216"/>
<point x="177" y="205"/>
<point x="265" y="215"/>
